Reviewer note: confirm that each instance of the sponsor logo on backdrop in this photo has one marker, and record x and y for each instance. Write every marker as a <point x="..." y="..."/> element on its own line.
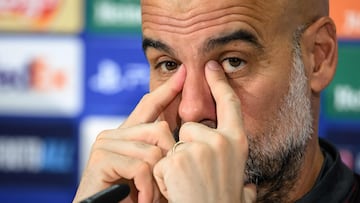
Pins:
<point x="40" y="11"/>
<point x="110" y="13"/>
<point x="347" y="98"/>
<point x="114" y="15"/>
<point x="112" y="79"/>
<point x="39" y="15"/>
<point x="342" y="97"/>
<point x="346" y="15"/>
<point x="40" y="77"/>
<point x="32" y="154"/>
<point x="352" y="22"/>
<point x="117" y="76"/>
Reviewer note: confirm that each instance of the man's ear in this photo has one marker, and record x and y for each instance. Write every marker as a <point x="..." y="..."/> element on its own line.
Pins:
<point x="320" y="43"/>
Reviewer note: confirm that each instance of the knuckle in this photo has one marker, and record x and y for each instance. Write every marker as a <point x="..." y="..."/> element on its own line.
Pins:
<point x="187" y="127"/>
<point x="97" y="145"/>
<point x="97" y="156"/>
<point x="220" y="142"/>
<point x="155" y="155"/>
<point x="202" y="151"/>
<point x="178" y="161"/>
<point x="145" y="97"/>
<point x="162" y="125"/>
<point x="189" y="124"/>
<point x="143" y="168"/>
<point x="156" y="170"/>
<point x="102" y="134"/>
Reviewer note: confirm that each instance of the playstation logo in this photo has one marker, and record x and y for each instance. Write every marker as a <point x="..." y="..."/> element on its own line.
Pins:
<point x="112" y="79"/>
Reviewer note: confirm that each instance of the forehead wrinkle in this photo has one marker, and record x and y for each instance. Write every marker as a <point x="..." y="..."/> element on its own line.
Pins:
<point x="192" y="23"/>
<point x="196" y="28"/>
<point x="192" y="29"/>
<point x="192" y="15"/>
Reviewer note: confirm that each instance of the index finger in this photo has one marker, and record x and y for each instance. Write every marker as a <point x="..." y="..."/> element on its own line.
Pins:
<point x="152" y="104"/>
<point x="228" y="108"/>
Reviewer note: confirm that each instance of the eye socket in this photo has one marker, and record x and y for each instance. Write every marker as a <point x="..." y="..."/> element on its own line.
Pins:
<point x="167" y="66"/>
<point x="233" y="64"/>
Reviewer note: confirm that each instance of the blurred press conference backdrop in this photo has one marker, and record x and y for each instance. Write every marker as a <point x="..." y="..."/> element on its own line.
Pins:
<point x="71" y="68"/>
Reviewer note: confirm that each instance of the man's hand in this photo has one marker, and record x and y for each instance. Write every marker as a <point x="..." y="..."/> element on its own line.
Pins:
<point x="131" y="151"/>
<point x="209" y="166"/>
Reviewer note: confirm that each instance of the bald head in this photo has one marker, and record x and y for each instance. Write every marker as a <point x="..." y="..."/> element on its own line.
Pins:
<point x="288" y="13"/>
<point x="306" y="11"/>
<point x="321" y="7"/>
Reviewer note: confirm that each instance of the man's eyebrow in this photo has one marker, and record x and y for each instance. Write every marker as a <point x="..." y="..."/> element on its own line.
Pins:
<point x="241" y="35"/>
<point x="156" y="44"/>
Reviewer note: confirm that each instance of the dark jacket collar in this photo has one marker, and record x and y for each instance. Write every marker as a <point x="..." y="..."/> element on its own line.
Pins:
<point x="336" y="181"/>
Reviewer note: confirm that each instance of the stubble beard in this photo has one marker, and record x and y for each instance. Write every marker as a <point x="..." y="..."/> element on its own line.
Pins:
<point x="275" y="156"/>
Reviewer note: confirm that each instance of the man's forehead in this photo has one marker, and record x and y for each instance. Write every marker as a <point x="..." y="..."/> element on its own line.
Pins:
<point x="190" y="16"/>
<point x="189" y="12"/>
<point x="264" y="17"/>
<point x="310" y="7"/>
<point x="188" y="5"/>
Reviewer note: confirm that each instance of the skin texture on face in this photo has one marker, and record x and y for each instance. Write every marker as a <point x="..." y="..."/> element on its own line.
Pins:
<point x="275" y="158"/>
<point x="254" y="43"/>
<point x="240" y="80"/>
<point x="244" y="35"/>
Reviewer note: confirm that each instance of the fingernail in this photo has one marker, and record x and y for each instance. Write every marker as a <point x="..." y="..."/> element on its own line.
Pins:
<point x="212" y="65"/>
<point x="181" y="67"/>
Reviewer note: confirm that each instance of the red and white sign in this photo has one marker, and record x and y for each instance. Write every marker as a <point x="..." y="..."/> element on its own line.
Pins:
<point x="41" y="15"/>
<point x="40" y="77"/>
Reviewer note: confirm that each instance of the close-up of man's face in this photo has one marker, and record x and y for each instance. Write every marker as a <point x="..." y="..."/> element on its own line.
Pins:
<point x="263" y="63"/>
<point x="180" y="101"/>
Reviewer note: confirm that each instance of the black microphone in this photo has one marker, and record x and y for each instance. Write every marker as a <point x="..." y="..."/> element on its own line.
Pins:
<point x="113" y="194"/>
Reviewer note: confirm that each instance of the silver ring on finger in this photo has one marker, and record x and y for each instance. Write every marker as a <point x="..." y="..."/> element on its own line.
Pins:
<point x="176" y="145"/>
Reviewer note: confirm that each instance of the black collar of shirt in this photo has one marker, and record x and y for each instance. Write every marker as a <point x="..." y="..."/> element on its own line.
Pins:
<point x="335" y="181"/>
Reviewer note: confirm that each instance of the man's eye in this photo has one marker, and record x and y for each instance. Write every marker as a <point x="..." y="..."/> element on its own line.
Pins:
<point x="168" y="66"/>
<point x="232" y="64"/>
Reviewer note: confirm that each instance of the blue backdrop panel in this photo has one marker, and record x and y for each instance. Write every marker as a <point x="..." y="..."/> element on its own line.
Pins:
<point x="116" y="76"/>
<point x="38" y="155"/>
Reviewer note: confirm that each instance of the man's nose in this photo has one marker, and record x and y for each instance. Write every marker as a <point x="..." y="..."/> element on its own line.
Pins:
<point x="197" y="103"/>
